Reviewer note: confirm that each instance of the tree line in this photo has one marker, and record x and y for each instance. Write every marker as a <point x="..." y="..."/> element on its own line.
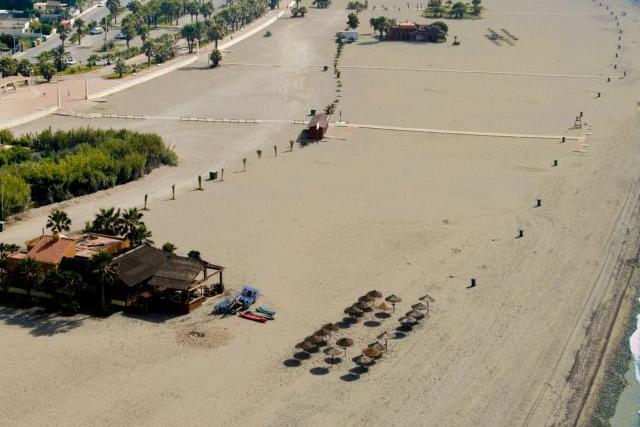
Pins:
<point x="52" y="166"/>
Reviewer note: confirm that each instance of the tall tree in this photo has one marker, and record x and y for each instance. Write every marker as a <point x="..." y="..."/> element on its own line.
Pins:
<point x="106" y="221"/>
<point x="28" y="274"/>
<point x="353" y="21"/>
<point x="58" y="221"/>
<point x="114" y="8"/>
<point x="148" y="47"/>
<point x="104" y="273"/>
<point x="128" y="28"/>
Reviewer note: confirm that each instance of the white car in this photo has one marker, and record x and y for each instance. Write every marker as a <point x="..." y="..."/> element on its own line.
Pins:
<point x="96" y="30"/>
<point x="71" y="61"/>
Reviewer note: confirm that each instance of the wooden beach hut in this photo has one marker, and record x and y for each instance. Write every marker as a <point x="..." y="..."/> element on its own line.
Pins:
<point x="318" y="126"/>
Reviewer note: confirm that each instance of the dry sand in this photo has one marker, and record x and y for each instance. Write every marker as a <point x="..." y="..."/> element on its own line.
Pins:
<point x="405" y="213"/>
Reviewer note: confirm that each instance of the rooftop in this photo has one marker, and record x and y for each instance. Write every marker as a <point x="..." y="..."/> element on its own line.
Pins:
<point x="49" y="249"/>
<point x="90" y="244"/>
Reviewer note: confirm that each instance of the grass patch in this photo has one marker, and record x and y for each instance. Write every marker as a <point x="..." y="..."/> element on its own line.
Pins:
<point x="78" y="69"/>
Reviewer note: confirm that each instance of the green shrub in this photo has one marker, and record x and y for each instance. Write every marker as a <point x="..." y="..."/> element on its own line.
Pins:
<point x="52" y="166"/>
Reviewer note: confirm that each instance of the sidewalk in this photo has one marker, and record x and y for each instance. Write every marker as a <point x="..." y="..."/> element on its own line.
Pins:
<point x="38" y="100"/>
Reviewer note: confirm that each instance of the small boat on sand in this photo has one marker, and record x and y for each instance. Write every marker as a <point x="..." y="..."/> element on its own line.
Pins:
<point x="251" y="316"/>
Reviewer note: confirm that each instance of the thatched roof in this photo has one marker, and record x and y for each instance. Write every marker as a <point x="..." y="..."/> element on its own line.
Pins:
<point x="139" y="264"/>
<point x="161" y="269"/>
<point x="177" y="273"/>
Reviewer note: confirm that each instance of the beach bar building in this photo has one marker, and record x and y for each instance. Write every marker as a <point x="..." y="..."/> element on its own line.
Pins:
<point x="410" y="31"/>
<point x="150" y="277"/>
<point x="318" y="126"/>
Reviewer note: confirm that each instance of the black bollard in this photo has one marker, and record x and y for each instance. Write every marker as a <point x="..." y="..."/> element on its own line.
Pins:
<point x="599" y="94"/>
<point x="615" y="66"/>
<point x="564" y="139"/>
<point x="200" y="182"/>
<point x="555" y="163"/>
<point x="473" y="284"/>
<point x="291" y="145"/>
<point x="275" y="150"/>
<point x="244" y="164"/>
<point x="608" y="79"/>
<point x="520" y="234"/>
<point x="146" y="196"/>
<point x="538" y="203"/>
<point x="222" y="174"/>
<point x="259" y="153"/>
<point x="173" y="191"/>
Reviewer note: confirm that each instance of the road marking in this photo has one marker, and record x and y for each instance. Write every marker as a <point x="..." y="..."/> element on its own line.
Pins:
<point x="336" y="124"/>
<point x="432" y="70"/>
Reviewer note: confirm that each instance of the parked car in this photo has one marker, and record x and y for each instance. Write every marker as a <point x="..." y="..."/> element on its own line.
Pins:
<point x="96" y="30"/>
<point x="71" y="61"/>
<point x="121" y="36"/>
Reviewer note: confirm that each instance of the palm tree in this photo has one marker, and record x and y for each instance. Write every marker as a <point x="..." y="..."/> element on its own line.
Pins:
<point x="114" y="7"/>
<point x="169" y="247"/>
<point x="106" y="221"/>
<point x="128" y="28"/>
<point x="130" y="220"/>
<point x="63" y="31"/>
<point x="214" y="31"/>
<point x="140" y="235"/>
<point x="215" y="57"/>
<point x="353" y="21"/>
<point x="148" y="47"/>
<point x="58" y="221"/>
<point x="458" y="10"/>
<point x="105" y="273"/>
<point x="80" y="29"/>
<point x="62" y="282"/>
<point x="7" y="249"/>
<point x="190" y="33"/>
<point x="28" y="274"/>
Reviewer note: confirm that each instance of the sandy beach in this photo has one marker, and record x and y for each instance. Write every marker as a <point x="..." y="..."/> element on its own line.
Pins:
<point x="409" y="213"/>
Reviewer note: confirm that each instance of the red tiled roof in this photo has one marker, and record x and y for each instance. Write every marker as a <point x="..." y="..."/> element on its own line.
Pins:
<point x="48" y="250"/>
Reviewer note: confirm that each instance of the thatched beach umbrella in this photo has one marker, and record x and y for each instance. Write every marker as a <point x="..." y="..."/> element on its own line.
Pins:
<point x="330" y="327"/>
<point x="371" y="352"/>
<point x="366" y="298"/>
<point x="314" y="339"/>
<point x="415" y="314"/>
<point x="363" y="360"/>
<point x="393" y="299"/>
<point x="309" y="348"/>
<point x="364" y="306"/>
<point x="374" y="294"/>
<point x="384" y="336"/>
<point x="344" y="343"/>
<point x="384" y="306"/>
<point x="419" y="306"/>
<point x="427" y="298"/>
<point x="332" y="352"/>
<point x="353" y="311"/>
<point x="408" y="321"/>
<point x="323" y="333"/>
<point x="300" y="344"/>
<point x="378" y="347"/>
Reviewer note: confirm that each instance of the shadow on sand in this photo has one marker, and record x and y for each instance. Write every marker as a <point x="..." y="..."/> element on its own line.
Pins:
<point x="319" y="370"/>
<point x="41" y="322"/>
<point x="291" y="363"/>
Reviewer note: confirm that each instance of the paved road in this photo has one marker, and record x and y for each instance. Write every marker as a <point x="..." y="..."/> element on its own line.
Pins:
<point x="89" y="42"/>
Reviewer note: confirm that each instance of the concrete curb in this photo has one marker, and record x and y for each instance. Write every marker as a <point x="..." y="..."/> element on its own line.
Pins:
<point x="136" y="81"/>
<point x="28" y="118"/>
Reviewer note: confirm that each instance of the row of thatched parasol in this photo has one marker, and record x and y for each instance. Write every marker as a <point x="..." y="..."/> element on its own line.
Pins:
<point x="365" y="303"/>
